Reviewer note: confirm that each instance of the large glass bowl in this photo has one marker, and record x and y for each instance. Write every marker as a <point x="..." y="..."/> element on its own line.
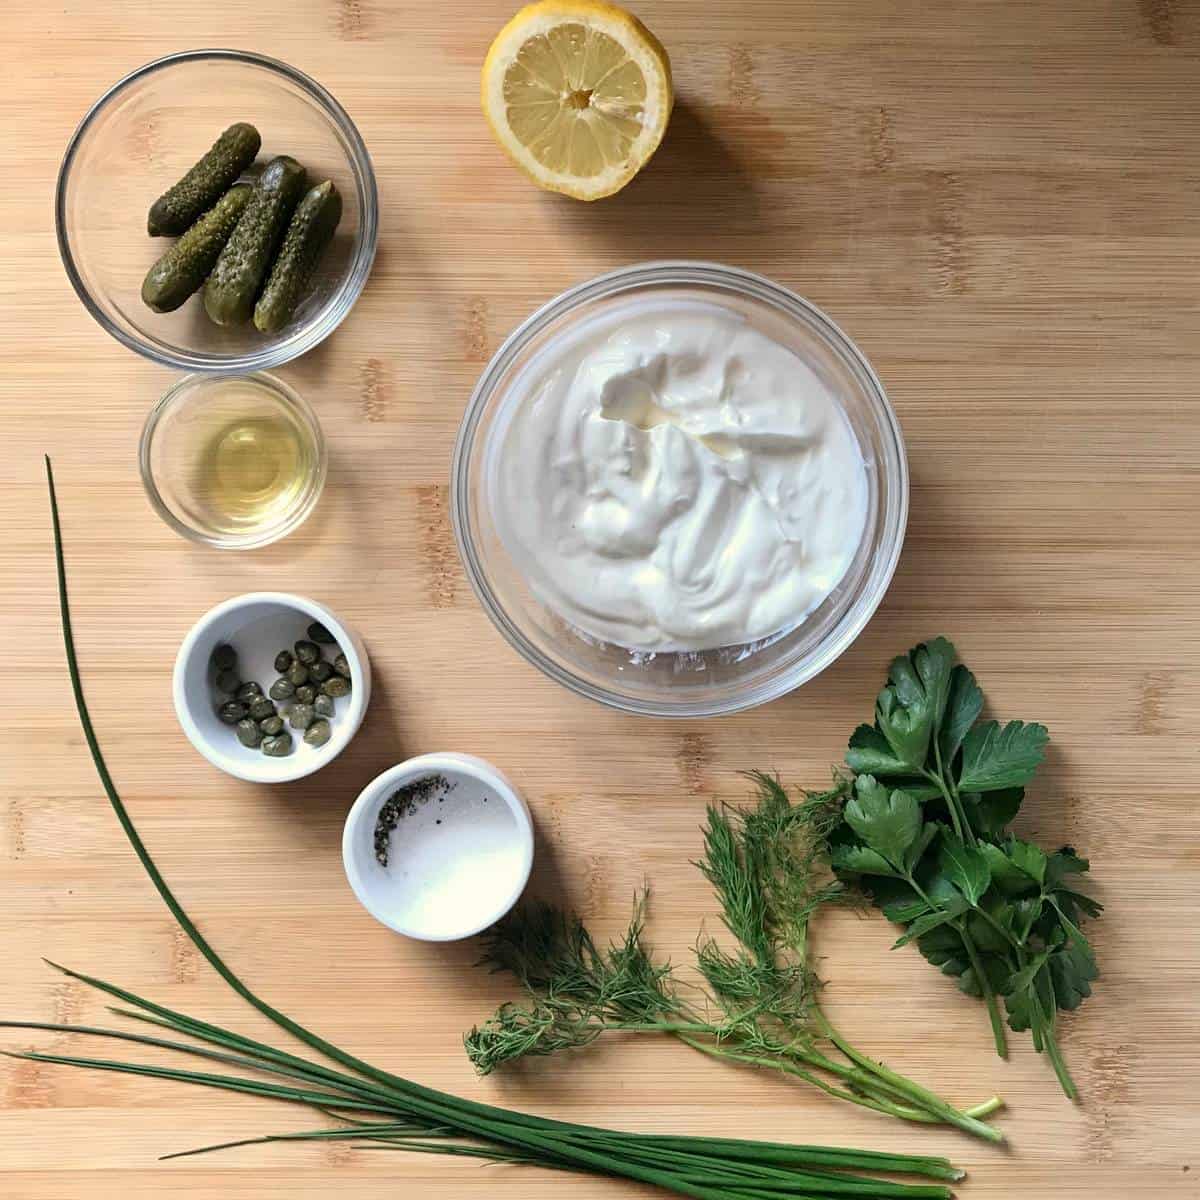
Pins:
<point x="141" y="136"/>
<point x="709" y="682"/>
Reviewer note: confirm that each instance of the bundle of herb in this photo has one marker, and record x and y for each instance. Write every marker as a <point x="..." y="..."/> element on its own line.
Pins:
<point x="379" y="1110"/>
<point x="760" y="1006"/>
<point x="925" y="836"/>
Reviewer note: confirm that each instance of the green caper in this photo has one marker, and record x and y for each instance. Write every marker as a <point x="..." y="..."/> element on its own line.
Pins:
<point x="298" y="674"/>
<point x="261" y="708"/>
<point x="224" y="657"/>
<point x="282" y="689"/>
<point x="341" y="666"/>
<point x="272" y="725"/>
<point x="283" y="661"/>
<point x="277" y="747"/>
<point x="336" y="686"/>
<point x="231" y="712"/>
<point x="320" y="671"/>
<point x="318" y="633"/>
<point x="248" y="691"/>
<point x="301" y="716"/>
<point x="324" y="706"/>
<point x="306" y="693"/>
<point x="307" y="652"/>
<point x="318" y="733"/>
<point x="248" y="733"/>
<point x="228" y="682"/>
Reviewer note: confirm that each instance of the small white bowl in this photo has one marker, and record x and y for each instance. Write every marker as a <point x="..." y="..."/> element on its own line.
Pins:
<point x="457" y="862"/>
<point x="258" y="625"/>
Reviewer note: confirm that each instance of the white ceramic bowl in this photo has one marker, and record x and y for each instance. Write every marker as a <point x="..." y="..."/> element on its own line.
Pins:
<point x="258" y="625"/>
<point x="457" y="862"/>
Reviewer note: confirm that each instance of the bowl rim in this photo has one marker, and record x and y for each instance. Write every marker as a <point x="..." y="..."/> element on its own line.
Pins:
<point x="331" y="315"/>
<point x="683" y="272"/>
<point x="288" y="395"/>
<point x="350" y="644"/>
<point x="446" y="761"/>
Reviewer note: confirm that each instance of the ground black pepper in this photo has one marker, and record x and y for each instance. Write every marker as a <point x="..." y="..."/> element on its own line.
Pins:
<point x="402" y="803"/>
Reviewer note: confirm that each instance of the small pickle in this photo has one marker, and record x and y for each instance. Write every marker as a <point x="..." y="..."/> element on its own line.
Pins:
<point x="320" y="671"/>
<point x="261" y="708"/>
<point x="307" y="652"/>
<point x="231" y="712"/>
<point x="282" y="689"/>
<point x="283" y="661"/>
<point x="324" y="706"/>
<point x="248" y="691"/>
<point x="271" y="725"/>
<point x="277" y="747"/>
<point x="301" y="716"/>
<point x="318" y="633"/>
<point x="224" y="657"/>
<point x="248" y="733"/>
<point x="318" y="733"/>
<point x="306" y="693"/>
<point x="298" y="674"/>
<point x="342" y="666"/>
<point x="228" y="682"/>
<point x="336" y="686"/>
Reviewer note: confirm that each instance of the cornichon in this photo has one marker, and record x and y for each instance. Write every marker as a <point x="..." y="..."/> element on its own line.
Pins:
<point x="242" y="265"/>
<point x="310" y="231"/>
<point x="185" y="266"/>
<point x="176" y="210"/>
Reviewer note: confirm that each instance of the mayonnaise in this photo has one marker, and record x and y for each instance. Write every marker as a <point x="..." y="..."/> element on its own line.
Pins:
<point x="671" y="478"/>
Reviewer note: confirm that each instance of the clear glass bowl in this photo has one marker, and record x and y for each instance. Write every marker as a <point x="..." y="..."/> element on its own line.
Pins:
<point x="709" y="682"/>
<point x="195" y="441"/>
<point x="141" y="136"/>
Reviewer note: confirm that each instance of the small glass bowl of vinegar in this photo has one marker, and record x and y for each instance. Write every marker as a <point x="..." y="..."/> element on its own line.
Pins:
<point x="234" y="461"/>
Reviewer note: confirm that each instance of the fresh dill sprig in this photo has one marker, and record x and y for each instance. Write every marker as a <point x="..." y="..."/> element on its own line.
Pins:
<point x="767" y="865"/>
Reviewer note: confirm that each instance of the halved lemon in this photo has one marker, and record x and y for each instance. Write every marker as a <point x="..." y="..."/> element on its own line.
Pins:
<point x="578" y="92"/>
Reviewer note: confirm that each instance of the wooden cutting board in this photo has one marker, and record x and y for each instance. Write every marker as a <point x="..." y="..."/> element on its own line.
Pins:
<point x="1001" y="203"/>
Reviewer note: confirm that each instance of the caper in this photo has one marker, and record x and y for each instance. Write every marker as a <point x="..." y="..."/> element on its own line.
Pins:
<point x="231" y="712"/>
<point x="301" y="716"/>
<point x="318" y="633"/>
<point x="306" y="693"/>
<point x="318" y="733"/>
<point x="324" y="706"/>
<point x="248" y="733"/>
<point x="307" y="652"/>
<point x="224" y="657"/>
<point x="320" y="671"/>
<point x="277" y="747"/>
<point x="336" y="686"/>
<point x="281" y="689"/>
<point x="248" y="691"/>
<point x="298" y="674"/>
<point x="341" y="666"/>
<point x="261" y="708"/>
<point x="272" y="725"/>
<point x="228" y="682"/>
<point x="283" y="660"/>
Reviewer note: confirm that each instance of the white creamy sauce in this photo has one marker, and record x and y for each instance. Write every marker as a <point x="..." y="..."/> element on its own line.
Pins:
<point x="673" y="479"/>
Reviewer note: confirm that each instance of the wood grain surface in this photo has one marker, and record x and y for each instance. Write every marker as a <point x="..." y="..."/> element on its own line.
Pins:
<point x="1000" y="201"/>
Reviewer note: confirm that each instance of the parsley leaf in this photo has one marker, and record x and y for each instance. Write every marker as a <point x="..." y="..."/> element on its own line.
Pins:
<point x="888" y="822"/>
<point x="931" y="920"/>
<point x="965" y="866"/>
<point x="996" y="757"/>
<point x="963" y="706"/>
<point x="990" y="813"/>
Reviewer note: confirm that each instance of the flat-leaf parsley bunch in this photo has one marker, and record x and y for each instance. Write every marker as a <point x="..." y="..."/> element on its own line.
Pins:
<point x="924" y="833"/>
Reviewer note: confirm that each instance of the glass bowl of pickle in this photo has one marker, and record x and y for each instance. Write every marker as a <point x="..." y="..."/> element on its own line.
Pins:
<point x="234" y="462"/>
<point x="217" y="211"/>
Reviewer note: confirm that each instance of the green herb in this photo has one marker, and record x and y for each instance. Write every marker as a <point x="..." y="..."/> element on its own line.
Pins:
<point x="380" y="1110"/>
<point x="925" y="836"/>
<point x="761" y="1008"/>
